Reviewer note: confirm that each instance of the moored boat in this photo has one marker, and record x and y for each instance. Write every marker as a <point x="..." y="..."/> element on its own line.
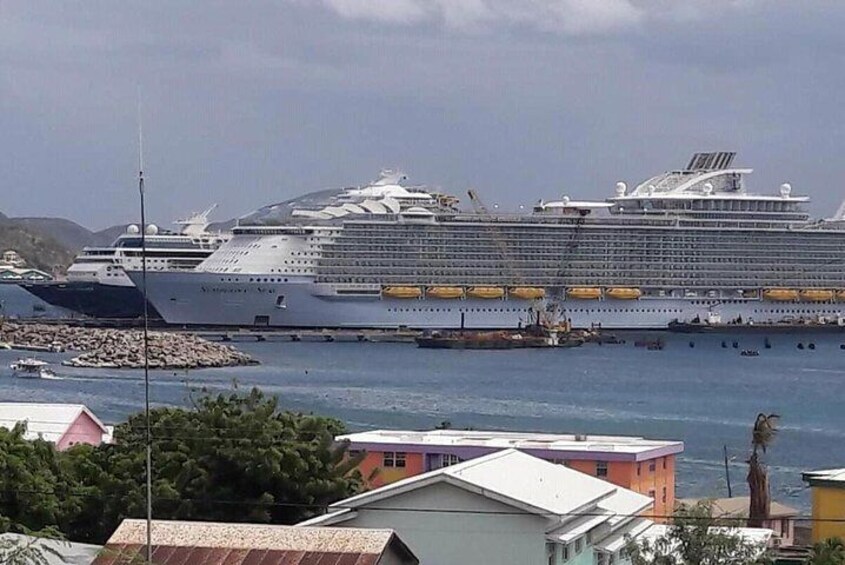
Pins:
<point x="817" y="295"/>
<point x="488" y="292"/>
<point x="527" y="293"/>
<point x="402" y="291"/>
<point x="584" y="293"/>
<point x="444" y="292"/>
<point x="780" y="294"/>
<point x="621" y="293"/>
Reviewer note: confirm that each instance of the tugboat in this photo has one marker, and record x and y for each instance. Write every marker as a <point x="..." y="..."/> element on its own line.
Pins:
<point x="32" y="369"/>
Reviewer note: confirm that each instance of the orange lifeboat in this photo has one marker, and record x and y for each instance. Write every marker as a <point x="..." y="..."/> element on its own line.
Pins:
<point x="816" y="295"/>
<point x="584" y="292"/>
<point x="402" y="292"/>
<point x="527" y="292"/>
<point x="780" y="294"/>
<point x="624" y="293"/>
<point x="486" y="292"/>
<point x="444" y="292"/>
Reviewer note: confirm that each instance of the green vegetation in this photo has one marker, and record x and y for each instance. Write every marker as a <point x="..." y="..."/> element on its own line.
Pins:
<point x="39" y="251"/>
<point x="696" y="538"/>
<point x="828" y="552"/>
<point x="230" y="457"/>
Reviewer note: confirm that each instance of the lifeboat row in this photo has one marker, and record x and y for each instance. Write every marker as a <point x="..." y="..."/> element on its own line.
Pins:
<point x="452" y="292"/>
<point x="807" y="294"/>
<point x="594" y="293"/>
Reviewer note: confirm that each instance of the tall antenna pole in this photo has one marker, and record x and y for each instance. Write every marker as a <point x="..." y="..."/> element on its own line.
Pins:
<point x="149" y="465"/>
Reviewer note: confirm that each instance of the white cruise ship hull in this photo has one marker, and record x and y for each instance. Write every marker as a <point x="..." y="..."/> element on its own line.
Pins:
<point x="209" y="299"/>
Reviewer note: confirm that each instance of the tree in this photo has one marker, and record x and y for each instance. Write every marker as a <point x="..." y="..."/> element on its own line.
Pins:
<point x="828" y="552"/>
<point x="763" y="434"/>
<point x="696" y="538"/>
<point x="231" y="457"/>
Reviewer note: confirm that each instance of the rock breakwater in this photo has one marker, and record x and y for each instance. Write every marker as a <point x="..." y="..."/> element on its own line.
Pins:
<point x="118" y="349"/>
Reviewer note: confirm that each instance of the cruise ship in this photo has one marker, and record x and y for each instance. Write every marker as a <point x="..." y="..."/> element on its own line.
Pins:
<point x="687" y="244"/>
<point x="97" y="284"/>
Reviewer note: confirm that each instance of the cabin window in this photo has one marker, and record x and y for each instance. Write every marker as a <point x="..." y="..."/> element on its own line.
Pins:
<point x="280" y="301"/>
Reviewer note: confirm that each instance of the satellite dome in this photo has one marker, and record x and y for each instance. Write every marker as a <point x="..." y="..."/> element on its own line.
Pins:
<point x="132" y="229"/>
<point x="621" y="187"/>
<point x="152" y="229"/>
<point x="708" y="188"/>
<point x="785" y="189"/>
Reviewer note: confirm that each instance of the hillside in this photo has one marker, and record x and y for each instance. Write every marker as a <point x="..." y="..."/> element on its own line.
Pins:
<point x="70" y="234"/>
<point x="39" y="250"/>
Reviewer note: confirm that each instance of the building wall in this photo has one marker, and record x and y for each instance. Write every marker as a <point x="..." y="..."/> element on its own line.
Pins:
<point x="622" y="473"/>
<point x="828" y="503"/>
<point x="458" y="535"/>
<point x="83" y="430"/>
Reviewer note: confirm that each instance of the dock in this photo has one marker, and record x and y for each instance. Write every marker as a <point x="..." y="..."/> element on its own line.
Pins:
<point x="281" y="335"/>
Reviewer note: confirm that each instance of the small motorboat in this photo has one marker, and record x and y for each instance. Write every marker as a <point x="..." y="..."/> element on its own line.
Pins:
<point x="32" y="369"/>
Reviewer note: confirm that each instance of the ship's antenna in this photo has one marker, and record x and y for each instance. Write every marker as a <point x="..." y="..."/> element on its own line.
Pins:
<point x="149" y="458"/>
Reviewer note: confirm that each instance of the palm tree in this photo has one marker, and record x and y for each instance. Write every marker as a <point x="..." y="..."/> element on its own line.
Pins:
<point x="765" y="429"/>
<point x="828" y="552"/>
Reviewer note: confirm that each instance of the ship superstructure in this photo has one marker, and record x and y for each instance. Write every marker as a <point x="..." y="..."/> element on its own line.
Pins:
<point x="688" y="243"/>
<point x="97" y="284"/>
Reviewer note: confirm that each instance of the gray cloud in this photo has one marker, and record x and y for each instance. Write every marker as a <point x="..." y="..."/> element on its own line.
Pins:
<point x="249" y="103"/>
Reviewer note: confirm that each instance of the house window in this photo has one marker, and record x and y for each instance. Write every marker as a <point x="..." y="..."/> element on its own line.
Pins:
<point x="579" y="545"/>
<point x="639" y="469"/>
<point x="551" y="553"/>
<point x="601" y="468"/>
<point x="447" y="459"/>
<point x="664" y="463"/>
<point x="651" y="493"/>
<point x="652" y="466"/>
<point x="664" y="495"/>
<point x="394" y="459"/>
<point x="564" y="553"/>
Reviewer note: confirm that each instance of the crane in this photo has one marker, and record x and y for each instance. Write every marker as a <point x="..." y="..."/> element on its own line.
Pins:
<point x="513" y="274"/>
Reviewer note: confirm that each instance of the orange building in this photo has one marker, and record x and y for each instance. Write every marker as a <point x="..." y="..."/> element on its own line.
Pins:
<point x="642" y="465"/>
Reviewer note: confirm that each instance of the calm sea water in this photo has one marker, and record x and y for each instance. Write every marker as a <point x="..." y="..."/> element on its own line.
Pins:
<point x="707" y="395"/>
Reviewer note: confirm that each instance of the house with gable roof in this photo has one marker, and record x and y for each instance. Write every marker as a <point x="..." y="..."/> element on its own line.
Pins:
<point x="65" y="425"/>
<point x="502" y="508"/>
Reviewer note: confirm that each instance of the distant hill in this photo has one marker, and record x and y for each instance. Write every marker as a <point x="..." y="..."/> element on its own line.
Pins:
<point x="39" y="250"/>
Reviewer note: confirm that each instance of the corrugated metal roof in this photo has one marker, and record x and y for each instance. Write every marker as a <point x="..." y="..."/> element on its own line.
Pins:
<point x="510" y="476"/>
<point x="186" y="543"/>
<point x="46" y="421"/>
<point x="253" y="536"/>
<point x="122" y="554"/>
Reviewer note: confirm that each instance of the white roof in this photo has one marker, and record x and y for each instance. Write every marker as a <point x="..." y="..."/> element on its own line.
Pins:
<point x="512" y="478"/>
<point x="518" y="440"/>
<point x="619" y="539"/>
<point x="69" y="553"/>
<point x="45" y="421"/>
<point x="828" y="475"/>
<point x="757" y="536"/>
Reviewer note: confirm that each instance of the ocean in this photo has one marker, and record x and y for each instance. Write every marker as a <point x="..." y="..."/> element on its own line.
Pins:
<point x="698" y="389"/>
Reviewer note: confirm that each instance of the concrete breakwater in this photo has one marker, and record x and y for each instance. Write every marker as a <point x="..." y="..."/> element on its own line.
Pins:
<point x="108" y="348"/>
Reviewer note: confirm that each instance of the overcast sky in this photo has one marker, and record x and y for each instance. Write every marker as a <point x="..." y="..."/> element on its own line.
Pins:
<point x="250" y="102"/>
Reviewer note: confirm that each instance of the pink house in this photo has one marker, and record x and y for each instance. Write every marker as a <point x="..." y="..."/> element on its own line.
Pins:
<point x="62" y="424"/>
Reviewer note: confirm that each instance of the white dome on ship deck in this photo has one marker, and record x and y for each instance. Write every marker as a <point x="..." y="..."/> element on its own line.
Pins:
<point x="132" y="229"/>
<point x="417" y="211"/>
<point x="152" y="229"/>
<point x="785" y="189"/>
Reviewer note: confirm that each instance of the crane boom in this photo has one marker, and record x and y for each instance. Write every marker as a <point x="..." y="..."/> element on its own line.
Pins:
<point x="513" y="273"/>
